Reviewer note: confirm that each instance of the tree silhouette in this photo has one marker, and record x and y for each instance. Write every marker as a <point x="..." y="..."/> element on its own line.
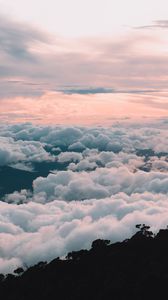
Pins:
<point x="144" y="230"/>
<point x="97" y="244"/>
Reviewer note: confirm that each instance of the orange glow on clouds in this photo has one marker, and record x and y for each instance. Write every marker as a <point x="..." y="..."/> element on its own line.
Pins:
<point x="60" y="108"/>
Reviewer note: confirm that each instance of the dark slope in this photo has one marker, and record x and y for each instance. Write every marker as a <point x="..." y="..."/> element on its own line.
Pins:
<point x="12" y="179"/>
<point x="134" y="269"/>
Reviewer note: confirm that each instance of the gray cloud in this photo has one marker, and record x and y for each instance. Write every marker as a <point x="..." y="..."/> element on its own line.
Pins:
<point x="17" y="39"/>
<point x="51" y="70"/>
<point x="101" y="90"/>
<point x="158" y="24"/>
<point x="88" y="91"/>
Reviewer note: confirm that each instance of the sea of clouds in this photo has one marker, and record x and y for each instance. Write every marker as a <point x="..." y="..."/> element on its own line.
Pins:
<point x="112" y="178"/>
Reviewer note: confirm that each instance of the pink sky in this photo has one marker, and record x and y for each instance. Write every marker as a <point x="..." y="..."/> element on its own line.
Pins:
<point x="60" y="108"/>
<point x="37" y="62"/>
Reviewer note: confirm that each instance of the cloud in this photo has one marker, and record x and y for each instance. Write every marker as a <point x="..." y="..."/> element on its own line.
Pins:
<point x="112" y="178"/>
<point x="61" y="108"/>
<point x="159" y="163"/>
<point x="33" y="232"/>
<point x="103" y="90"/>
<point x="88" y="91"/>
<point x="100" y="183"/>
<point x="124" y="136"/>
<point x="69" y="156"/>
<point x="33" y="61"/>
<point x="157" y="24"/>
<point x="17" y="41"/>
<point x="13" y="152"/>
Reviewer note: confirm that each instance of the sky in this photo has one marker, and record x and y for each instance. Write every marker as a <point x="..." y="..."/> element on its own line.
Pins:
<point x="94" y="49"/>
<point x="85" y="18"/>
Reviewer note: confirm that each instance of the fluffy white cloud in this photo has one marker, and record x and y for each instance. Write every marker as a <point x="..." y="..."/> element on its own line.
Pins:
<point x="126" y="137"/>
<point x="159" y="163"/>
<point x="33" y="232"/>
<point x="83" y="166"/>
<point x="98" y="184"/>
<point x="94" y="158"/>
<point x="23" y="196"/>
<point x="115" y="178"/>
<point x="69" y="157"/>
<point x="12" y="152"/>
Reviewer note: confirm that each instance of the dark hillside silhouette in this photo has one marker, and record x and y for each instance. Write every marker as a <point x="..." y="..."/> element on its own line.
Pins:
<point x="136" y="268"/>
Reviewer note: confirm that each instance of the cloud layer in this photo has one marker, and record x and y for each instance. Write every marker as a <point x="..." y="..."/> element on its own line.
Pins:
<point x="33" y="232"/>
<point x="111" y="179"/>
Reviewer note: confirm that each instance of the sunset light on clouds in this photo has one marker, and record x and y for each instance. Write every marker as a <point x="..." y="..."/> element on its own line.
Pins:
<point x="76" y="109"/>
<point x="83" y="124"/>
<point x="55" y="45"/>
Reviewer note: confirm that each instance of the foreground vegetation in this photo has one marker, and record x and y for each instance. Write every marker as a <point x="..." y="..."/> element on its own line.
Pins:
<point x="136" y="268"/>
